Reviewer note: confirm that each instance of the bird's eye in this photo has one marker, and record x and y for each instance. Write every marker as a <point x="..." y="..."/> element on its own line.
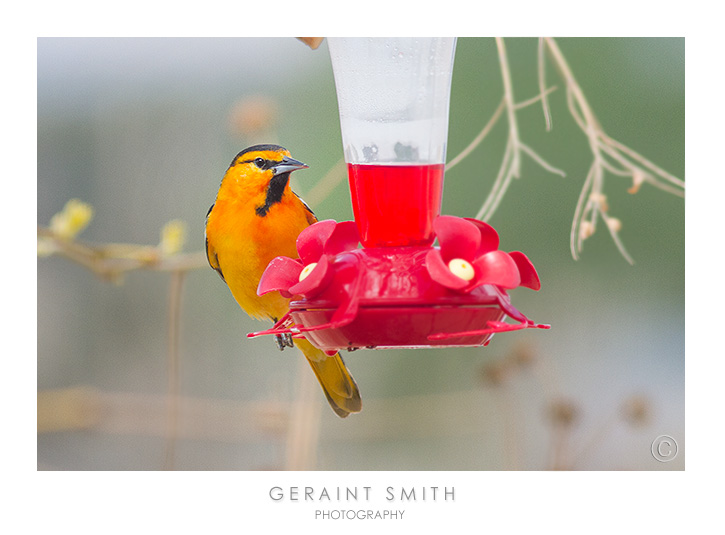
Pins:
<point x="259" y="162"/>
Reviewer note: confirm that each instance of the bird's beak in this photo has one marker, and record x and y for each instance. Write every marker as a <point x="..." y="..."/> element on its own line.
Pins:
<point x="287" y="165"/>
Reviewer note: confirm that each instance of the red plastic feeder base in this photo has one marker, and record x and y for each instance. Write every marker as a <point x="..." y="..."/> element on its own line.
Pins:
<point x="411" y="296"/>
<point x="408" y="327"/>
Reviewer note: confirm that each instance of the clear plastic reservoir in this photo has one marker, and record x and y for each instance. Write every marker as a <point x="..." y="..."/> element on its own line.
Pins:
<point x="394" y="95"/>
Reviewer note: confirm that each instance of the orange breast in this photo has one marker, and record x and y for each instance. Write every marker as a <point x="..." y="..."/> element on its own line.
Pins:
<point x="244" y="243"/>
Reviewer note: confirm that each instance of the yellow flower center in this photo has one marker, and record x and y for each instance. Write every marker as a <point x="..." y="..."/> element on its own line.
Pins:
<point x="462" y="268"/>
<point x="307" y="270"/>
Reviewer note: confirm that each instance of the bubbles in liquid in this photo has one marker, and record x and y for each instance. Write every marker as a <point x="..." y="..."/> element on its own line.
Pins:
<point x="370" y="153"/>
<point x="393" y="97"/>
<point x="405" y="153"/>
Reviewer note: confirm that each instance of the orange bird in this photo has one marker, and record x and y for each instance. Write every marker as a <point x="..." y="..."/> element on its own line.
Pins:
<point x="255" y="218"/>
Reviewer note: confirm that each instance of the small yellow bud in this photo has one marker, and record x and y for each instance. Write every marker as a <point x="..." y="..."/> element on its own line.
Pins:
<point x="173" y="236"/>
<point x="637" y="180"/>
<point x="586" y="229"/>
<point x="307" y="270"/>
<point x="600" y="200"/>
<point x="70" y="221"/>
<point x="462" y="269"/>
<point x="614" y="224"/>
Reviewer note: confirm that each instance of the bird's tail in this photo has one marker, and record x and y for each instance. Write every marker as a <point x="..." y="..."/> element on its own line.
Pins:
<point x="337" y="383"/>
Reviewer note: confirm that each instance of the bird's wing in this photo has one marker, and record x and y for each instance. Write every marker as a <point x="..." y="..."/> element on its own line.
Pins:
<point x="210" y="252"/>
<point x="311" y="217"/>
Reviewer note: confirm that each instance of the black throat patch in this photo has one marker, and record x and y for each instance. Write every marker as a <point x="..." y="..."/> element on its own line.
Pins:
<point x="275" y="190"/>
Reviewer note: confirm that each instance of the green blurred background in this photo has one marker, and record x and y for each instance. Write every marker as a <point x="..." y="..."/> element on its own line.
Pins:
<point x="143" y="129"/>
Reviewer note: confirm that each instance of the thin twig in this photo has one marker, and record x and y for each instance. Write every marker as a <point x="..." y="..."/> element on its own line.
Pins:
<point x="511" y="164"/>
<point x="617" y="240"/>
<point x="644" y="161"/>
<point x="578" y="211"/>
<point x="633" y="165"/>
<point x="499" y="186"/>
<point x="542" y="85"/>
<point x="508" y="95"/>
<point x="479" y="138"/>
<point x="511" y="435"/>
<point x="559" y="440"/>
<point x="304" y="424"/>
<point x="326" y="185"/>
<point x="596" y="439"/>
<point x="113" y="259"/>
<point x="172" y="360"/>
<point x="538" y="159"/>
<point x="491" y="123"/>
<point x="534" y="100"/>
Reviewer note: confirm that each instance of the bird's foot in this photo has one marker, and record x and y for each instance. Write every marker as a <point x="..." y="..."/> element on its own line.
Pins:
<point x="284" y="340"/>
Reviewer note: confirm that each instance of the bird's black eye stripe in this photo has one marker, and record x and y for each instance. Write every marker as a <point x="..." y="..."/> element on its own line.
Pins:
<point x="260" y="162"/>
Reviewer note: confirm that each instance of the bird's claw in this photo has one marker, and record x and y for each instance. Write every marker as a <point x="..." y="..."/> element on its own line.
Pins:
<point x="284" y="340"/>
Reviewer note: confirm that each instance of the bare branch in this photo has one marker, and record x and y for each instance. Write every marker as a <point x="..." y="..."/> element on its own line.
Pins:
<point x="534" y="100"/>
<point x="542" y="84"/>
<point x="631" y="164"/>
<point x="508" y="95"/>
<point x="172" y="367"/>
<point x="511" y="164"/>
<point x="112" y="260"/>
<point x="499" y="186"/>
<point x="491" y="123"/>
<point x="575" y="238"/>
<point x="644" y="161"/>
<point x="538" y="159"/>
<point x="479" y="138"/>
<point x="326" y="185"/>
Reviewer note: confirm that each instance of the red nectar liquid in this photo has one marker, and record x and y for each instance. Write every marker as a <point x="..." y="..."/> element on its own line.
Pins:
<point x="395" y="205"/>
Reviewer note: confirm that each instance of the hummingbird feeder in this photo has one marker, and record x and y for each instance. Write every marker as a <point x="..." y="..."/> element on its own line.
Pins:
<point x="398" y="289"/>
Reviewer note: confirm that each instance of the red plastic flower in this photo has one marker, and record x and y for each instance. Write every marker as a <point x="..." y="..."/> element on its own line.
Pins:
<point x="468" y="257"/>
<point x="311" y="273"/>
